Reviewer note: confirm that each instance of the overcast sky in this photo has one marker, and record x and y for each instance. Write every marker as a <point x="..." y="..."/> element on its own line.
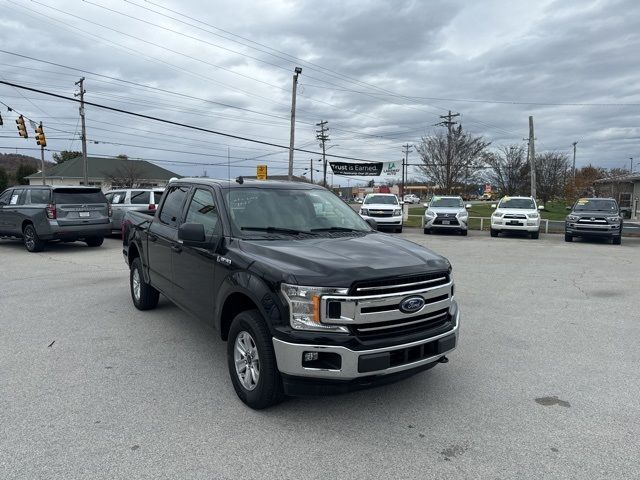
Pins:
<point x="380" y="73"/>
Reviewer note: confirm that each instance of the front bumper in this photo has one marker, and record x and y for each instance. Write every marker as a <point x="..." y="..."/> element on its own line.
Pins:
<point x="395" y="221"/>
<point x="608" y="230"/>
<point x="523" y="225"/>
<point x="454" y="223"/>
<point x="366" y="363"/>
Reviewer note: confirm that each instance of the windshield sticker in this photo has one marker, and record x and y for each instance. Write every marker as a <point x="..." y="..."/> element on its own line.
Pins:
<point x="435" y="199"/>
<point x="582" y="201"/>
<point x="116" y="199"/>
<point x="14" y="199"/>
<point x="506" y="199"/>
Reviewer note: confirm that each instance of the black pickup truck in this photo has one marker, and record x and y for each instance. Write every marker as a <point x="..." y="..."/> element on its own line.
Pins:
<point x="310" y="298"/>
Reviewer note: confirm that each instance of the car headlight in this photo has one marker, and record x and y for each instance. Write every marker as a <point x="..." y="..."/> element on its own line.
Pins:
<point x="497" y="214"/>
<point x="304" y="307"/>
<point x="573" y="218"/>
<point x="397" y="212"/>
<point x="614" y="219"/>
<point x="463" y="214"/>
<point x="364" y="211"/>
<point x="533" y="215"/>
<point x="429" y="213"/>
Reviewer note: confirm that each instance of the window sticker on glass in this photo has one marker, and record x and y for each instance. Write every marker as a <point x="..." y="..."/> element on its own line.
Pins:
<point x="14" y="199"/>
<point x="116" y="199"/>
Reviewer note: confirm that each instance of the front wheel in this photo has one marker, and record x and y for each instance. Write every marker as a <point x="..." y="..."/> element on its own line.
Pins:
<point x="399" y="230"/>
<point x="464" y="232"/>
<point x="252" y="361"/>
<point x="144" y="296"/>
<point x="617" y="240"/>
<point x="427" y="231"/>
<point x="568" y="238"/>
<point x="535" y="235"/>
<point x="31" y="239"/>
<point x="494" y="233"/>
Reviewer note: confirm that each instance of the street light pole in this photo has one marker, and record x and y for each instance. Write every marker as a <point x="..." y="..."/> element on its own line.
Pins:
<point x="297" y="71"/>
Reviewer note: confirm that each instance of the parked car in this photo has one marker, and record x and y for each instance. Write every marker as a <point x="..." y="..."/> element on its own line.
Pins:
<point x="594" y="217"/>
<point x="516" y="214"/>
<point x="384" y="208"/>
<point x="309" y="297"/>
<point x="446" y="213"/>
<point x="411" y="198"/>
<point x="139" y="199"/>
<point x="38" y="214"/>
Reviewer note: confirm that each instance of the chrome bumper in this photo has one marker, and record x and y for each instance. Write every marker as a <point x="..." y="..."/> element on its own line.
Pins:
<point x="289" y="357"/>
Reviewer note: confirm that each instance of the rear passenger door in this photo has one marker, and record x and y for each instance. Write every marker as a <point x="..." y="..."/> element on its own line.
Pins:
<point x="162" y="239"/>
<point x="4" y="211"/>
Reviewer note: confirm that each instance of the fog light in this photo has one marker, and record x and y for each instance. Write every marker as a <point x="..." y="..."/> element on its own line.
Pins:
<point x="310" y="356"/>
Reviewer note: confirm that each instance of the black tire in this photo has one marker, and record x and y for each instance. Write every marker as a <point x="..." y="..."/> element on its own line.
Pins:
<point x="494" y="233"/>
<point x="267" y="389"/>
<point x="616" y="240"/>
<point x="31" y="239"/>
<point x="399" y="230"/>
<point x="94" y="241"/>
<point x="568" y="238"/>
<point x="427" y="231"/>
<point x="145" y="297"/>
<point x="535" y="235"/>
<point x="464" y="232"/>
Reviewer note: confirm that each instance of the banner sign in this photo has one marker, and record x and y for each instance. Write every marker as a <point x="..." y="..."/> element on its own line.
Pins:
<point x="357" y="169"/>
<point x="391" y="168"/>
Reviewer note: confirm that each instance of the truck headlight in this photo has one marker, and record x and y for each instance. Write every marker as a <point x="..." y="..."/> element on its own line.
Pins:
<point x="429" y="214"/>
<point x="463" y="215"/>
<point x="497" y="214"/>
<point x="397" y="212"/>
<point x="532" y="215"/>
<point x="573" y="218"/>
<point x="304" y="307"/>
<point x="364" y="211"/>
<point x="614" y="219"/>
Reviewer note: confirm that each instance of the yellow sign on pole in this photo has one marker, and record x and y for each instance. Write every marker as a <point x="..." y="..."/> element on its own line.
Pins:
<point x="261" y="172"/>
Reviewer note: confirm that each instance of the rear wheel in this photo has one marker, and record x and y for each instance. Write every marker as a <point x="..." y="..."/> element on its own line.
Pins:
<point x="568" y="238"/>
<point x="494" y="233"/>
<point x="535" y="235"/>
<point x="144" y="296"/>
<point x="31" y="240"/>
<point x="94" y="241"/>
<point x="252" y="361"/>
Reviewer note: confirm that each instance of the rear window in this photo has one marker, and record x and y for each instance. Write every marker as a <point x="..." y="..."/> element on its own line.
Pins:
<point x="88" y="195"/>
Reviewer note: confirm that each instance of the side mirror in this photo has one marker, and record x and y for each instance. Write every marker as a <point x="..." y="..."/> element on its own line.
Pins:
<point x="468" y="205"/>
<point x="192" y="235"/>
<point x="493" y="205"/>
<point x="425" y="205"/>
<point x="540" y="207"/>
<point x="372" y="223"/>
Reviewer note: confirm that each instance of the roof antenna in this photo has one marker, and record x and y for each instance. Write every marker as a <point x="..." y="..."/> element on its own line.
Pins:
<point x="240" y="180"/>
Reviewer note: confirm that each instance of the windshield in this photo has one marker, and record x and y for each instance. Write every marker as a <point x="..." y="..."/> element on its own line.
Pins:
<point x="525" y="203"/>
<point x="595" y="205"/>
<point x="446" y="202"/>
<point x="381" y="199"/>
<point x="78" y="195"/>
<point x="270" y="209"/>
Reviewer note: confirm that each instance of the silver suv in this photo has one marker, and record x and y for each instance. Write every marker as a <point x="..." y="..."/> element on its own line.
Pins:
<point x="127" y="199"/>
<point x="446" y="213"/>
<point x="38" y="214"/>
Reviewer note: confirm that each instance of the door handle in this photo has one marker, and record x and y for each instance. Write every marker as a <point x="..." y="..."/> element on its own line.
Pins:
<point x="152" y="237"/>
<point x="176" y="247"/>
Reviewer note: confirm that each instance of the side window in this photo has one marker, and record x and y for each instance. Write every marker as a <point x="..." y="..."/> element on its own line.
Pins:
<point x="5" y="197"/>
<point x="109" y="197"/>
<point x="38" y="197"/>
<point x="116" y="198"/>
<point x="202" y="209"/>
<point x="139" y="197"/>
<point x="172" y="205"/>
<point x="17" y="197"/>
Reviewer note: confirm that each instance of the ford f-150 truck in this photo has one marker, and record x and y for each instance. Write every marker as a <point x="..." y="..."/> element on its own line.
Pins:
<point x="310" y="298"/>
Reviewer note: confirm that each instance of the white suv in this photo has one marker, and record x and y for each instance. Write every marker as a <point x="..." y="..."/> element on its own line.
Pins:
<point x="384" y="208"/>
<point x="516" y="214"/>
<point x="411" y="198"/>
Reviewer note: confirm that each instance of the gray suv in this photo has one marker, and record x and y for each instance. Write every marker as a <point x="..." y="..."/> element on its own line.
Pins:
<point x="446" y="213"/>
<point x="594" y="217"/>
<point x="38" y="214"/>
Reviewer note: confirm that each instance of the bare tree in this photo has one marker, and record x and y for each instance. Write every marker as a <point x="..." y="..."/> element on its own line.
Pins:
<point x="509" y="169"/>
<point x="451" y="160"/>
<point x="552" y="173"/>
<point x="126" y="176"/>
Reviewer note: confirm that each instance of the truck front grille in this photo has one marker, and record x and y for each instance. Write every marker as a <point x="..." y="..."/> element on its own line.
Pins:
<point x="437" y="320"/>
<point x="380" y="213"/>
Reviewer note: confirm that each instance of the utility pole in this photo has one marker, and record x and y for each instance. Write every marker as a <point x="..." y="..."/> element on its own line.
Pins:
<point x="630" y="164"/>
<point x="323" y="137"/>
<point x="311" y="168"/>
<point x="297" y="71"/>
<point x="532" y="157"/>
<point x="405" y="164"/>
<point x="85" y="169"/>
<point x="449" y="123"/>
<point x="573" y="171"/>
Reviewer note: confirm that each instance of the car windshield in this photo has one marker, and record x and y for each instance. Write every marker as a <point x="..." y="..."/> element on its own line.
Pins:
<point x="381" y="200"/>
<point x="596" y="205"/>
<point x="288" y="211"/>
<point x="446" y="202"/>
<point x="524" y="203"/>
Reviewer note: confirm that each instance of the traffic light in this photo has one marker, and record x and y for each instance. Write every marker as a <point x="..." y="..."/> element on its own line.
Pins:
<point x="40" y="140"/>
<point x="22" y="128"/>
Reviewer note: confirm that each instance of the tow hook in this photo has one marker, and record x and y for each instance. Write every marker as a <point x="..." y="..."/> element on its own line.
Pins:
<point x="443" y="360"/>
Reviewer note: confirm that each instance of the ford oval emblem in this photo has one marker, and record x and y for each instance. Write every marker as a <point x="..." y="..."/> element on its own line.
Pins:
<point x="411" y="304"/>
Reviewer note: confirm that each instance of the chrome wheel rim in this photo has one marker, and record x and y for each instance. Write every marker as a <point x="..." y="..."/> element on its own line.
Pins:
<point x="245" y="356"/>
<point x="136" y="284"/>
<point x="29" y="238"/>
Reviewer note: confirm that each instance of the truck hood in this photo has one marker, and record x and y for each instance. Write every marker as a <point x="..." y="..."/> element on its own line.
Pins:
<point x="338" y="262"/>
<point x="380" y="206"/>
<point x="523" y="211"/>
<point x="595" y="214"/>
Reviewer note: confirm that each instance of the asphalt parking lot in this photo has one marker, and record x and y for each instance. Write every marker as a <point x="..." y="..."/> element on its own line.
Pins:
<point x="545" y="382"/>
